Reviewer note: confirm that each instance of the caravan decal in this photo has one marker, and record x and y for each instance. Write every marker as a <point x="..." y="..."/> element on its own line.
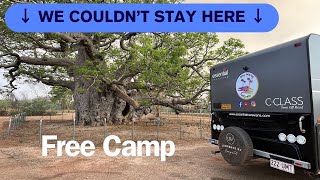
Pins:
<point x="247" y="85"/>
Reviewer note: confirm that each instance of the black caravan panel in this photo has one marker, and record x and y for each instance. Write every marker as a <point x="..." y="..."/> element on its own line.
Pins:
<point x="268" y="81"/>
<point x="274" y="95"/>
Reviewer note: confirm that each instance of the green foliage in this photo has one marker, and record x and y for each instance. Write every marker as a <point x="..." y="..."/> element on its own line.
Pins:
<point x="159" y="65"/>
<point x="57" y="93"/>
<point x="62" y="96"/>
<point x="164" y="69"/>
<point x="145" y="102"/>
<point x="35" y="107"/>
<point x="4" y="107"/>
<point x="38" y="107"/>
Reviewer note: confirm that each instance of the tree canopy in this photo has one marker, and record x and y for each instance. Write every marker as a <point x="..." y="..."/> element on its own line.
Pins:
<point x="138" y="69"/>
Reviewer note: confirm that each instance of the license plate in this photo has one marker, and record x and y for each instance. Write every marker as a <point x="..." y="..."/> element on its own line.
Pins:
<point x="282" y="166"/>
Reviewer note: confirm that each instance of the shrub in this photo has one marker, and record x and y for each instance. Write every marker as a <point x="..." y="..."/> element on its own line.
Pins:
<point x="38" y="107"/>
<point x="4" y="107"/>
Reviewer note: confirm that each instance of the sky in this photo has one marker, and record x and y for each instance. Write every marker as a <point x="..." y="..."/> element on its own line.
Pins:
<point x="297" y="18"/>
<point x="25" y="90"/>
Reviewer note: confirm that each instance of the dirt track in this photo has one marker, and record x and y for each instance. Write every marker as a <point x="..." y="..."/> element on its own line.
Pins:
<point x="20" y="159"/>
<point x="189" y="162"/>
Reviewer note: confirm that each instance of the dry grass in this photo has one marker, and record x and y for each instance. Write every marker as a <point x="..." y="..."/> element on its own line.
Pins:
<point x="28" y="133"/>
<point x="20" y="153"/>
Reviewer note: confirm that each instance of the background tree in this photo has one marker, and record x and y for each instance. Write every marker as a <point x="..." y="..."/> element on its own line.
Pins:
<point x="62" y="96"/>
<point x="4" y="107"/>
<point x="117" y="75"/>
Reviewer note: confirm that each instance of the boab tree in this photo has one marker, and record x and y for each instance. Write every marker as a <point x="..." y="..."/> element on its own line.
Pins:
<point x="114" y="76"/>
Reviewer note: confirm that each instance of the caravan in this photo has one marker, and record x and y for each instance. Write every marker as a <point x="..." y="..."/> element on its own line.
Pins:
<point x="267" y="104"/>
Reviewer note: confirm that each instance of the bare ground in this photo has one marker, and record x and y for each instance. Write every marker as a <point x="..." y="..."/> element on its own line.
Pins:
<point x="20" y="155"/>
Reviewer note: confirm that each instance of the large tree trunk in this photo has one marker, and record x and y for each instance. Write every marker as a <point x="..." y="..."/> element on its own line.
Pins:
<point x="92" y="107"/>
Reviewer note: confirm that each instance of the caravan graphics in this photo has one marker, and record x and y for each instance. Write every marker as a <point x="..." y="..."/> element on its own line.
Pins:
<point x="247" y="86"/>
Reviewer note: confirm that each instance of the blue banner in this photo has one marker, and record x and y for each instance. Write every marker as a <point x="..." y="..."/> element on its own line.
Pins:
<point x="142" y="17"/>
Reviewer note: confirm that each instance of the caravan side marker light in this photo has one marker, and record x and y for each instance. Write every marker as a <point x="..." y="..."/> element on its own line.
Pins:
<point x="218" y="127"/>
<point x="282" y="137"/>
<point x="291" y="138"/>
<point x="214" y="126"/>
<point x="301" y="140"/>
<point x="222" y="127"/>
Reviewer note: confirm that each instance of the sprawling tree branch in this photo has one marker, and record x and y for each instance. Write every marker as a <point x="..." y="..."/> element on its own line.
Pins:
<point x="14" y="67"/>
<point x="124" y="38"/>
<point x="50" y="80"/>
<point x="108" y="43"/>
<point x="176" y="107"/>
<point x="123" y="95"/>
<point x="40" y="44"/>
<point x="178" y="102"/>
<point x="65" y="62"/>
<point x="79" y="39"/>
